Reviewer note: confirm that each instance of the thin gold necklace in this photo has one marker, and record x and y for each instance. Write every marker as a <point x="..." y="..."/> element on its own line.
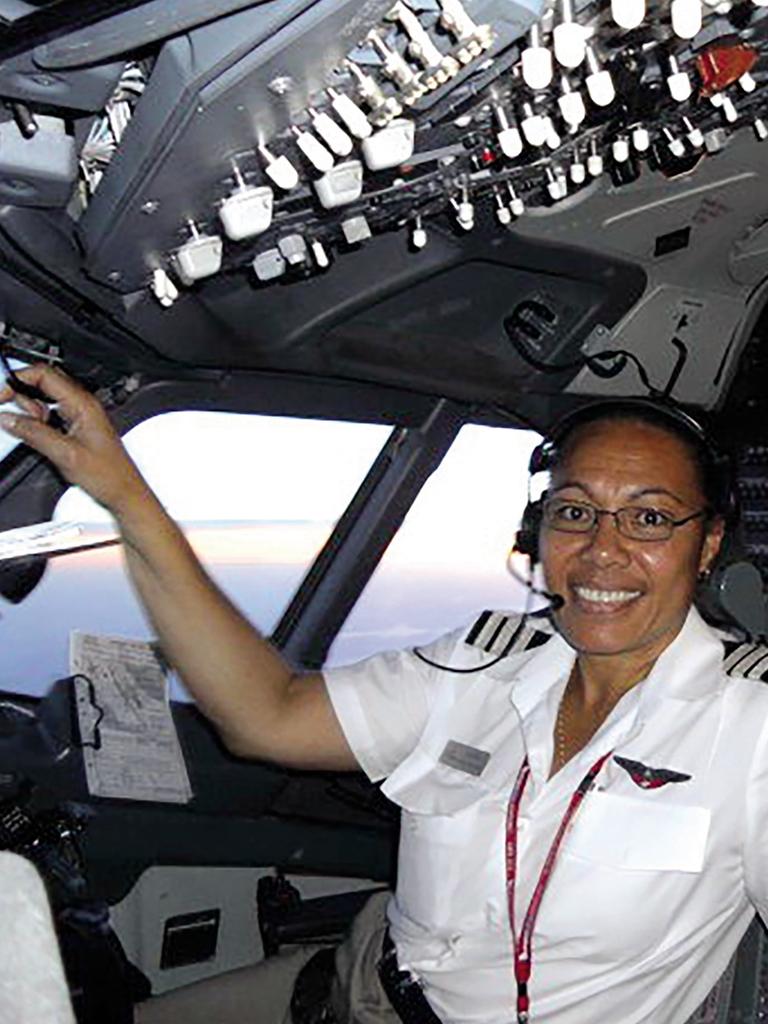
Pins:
<point x="564" y="720"/>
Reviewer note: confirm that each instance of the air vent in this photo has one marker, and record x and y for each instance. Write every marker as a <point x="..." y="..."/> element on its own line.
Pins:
<point x="190" y="939"/>
<point x="673" y="241"/>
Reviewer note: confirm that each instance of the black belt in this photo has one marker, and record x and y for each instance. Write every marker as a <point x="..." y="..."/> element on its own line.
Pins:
<point x="402" y="989"/>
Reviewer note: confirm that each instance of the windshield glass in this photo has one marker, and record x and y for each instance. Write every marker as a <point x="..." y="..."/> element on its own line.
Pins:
<point x="257" y="497"/>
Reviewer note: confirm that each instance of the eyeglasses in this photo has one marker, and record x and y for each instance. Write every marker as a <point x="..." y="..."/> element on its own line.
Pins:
<point x="637" y="522"/>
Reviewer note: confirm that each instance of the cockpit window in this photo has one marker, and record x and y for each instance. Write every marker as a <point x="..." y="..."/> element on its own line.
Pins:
<point x="8" y="443"/>
<point x="449" y="558"/>
<point x="257" y="496"/>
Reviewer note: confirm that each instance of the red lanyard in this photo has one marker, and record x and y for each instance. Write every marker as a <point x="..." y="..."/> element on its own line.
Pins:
<point x="522" y="943"/>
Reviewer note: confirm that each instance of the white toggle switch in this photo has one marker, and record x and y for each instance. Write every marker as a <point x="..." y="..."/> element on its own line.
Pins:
<point x="516" y="204"/>
<point x="571" y="104"/>
<point x="620" y="149"/>
<point x="557" y="186"/>
<point x="335" y="138"/>
<point x="628" y="13"/>
<point x="508" y="138"/>
<point x="163" y="288"/>
<point x="747" y="82"/>
<point x="601" y="89"/>
<point x="319" y="254"/>
<point x="686" y="17"/>
<point x="510" y="142"/>
<point x="279" y="169"/>
<point x="391" y="146"/>
<point x="578" y="171"/>
<point x="320" y="157"/>
<point x="599" y="82"/>
<point x="730" y="113"/>
<point x="503" y="212"/>
<point x="552" y="137"/>
<point x="537" y="67"/>
<point x="676" y="145"/>
<point x="247" y="211"/>
<point x="465" y="210"/>
<point x="341" y="185"/>
<point x="418" y="234"/>
<point x="761" y="129"/>
<point x="594" y="161"/>
<point x="198" y="258"/>
<point x="641" y="139"/>
<point x="569" y="39"/>
<point x="678" y="82"/>
<point x="534" y="126"/>
<point x="352" y="116"/>
<point x="694" y="135"/>
<point x="536" y="62"/>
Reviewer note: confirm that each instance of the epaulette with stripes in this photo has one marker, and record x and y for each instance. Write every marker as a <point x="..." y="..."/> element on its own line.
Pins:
<point x="503" y="633"/>
<point x="749" y="661"/>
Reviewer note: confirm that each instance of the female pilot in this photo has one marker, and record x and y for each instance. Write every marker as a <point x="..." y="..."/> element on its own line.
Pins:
<point x="584" y="821"/>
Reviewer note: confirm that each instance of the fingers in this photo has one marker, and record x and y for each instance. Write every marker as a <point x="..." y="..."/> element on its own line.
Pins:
<point x="37" y="410"/>
<point x="70" y="396"/>
<point x="38" y="435"/>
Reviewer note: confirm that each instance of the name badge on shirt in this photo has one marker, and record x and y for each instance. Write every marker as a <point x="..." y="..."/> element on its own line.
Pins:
<point x="464" y="758"/>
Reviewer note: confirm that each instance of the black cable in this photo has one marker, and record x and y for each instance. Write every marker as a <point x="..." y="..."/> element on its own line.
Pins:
<point x="478" y="668"/>
<point x="616" y="358"/>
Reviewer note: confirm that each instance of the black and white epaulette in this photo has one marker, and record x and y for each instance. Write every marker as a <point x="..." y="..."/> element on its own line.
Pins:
<point x="747" y="660"/>
<point x="503" y="633"/>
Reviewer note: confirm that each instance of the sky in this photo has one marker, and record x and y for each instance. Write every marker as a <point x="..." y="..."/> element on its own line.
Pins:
<point x="259" y="496"/>
<point x="209" y="466"/>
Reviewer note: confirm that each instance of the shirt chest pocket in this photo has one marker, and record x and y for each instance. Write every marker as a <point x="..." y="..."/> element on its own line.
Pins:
<point x="639" y="835"/>
<point x="445" y="822"/>
<point x="627" y="876"/>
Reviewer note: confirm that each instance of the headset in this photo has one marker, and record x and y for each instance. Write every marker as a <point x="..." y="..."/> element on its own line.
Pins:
<point x="662" y="413"/>
<point x="719" y="468"/>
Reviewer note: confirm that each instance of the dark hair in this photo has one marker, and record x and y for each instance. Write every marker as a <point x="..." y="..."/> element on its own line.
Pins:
<point x="713" y="465"/>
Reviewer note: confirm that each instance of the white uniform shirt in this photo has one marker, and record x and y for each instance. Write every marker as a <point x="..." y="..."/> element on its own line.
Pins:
<point x="653" y="888"/>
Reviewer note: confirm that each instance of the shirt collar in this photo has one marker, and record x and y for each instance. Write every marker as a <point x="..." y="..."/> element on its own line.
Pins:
<point x="688" y="669"/>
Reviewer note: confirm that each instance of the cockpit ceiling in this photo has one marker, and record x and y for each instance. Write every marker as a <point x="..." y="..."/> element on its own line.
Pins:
<point x="458" y="196"/>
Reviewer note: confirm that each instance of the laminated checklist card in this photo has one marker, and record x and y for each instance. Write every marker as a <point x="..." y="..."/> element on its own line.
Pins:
<point x="130" y="746"/>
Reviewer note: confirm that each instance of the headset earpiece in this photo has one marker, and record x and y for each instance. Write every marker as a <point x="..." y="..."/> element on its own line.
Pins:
<point x="527" y="536"/>
<point x="541" y="458"/>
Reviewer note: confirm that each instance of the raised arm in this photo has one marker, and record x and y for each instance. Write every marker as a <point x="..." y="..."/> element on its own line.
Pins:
<point x="260" y="707"/>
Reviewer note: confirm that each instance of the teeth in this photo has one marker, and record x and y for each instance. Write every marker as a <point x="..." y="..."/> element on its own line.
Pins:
<point x="606" y="596"/>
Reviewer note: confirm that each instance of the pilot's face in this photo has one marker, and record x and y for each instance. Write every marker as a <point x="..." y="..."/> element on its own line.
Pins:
<point x="624" y="596"/>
